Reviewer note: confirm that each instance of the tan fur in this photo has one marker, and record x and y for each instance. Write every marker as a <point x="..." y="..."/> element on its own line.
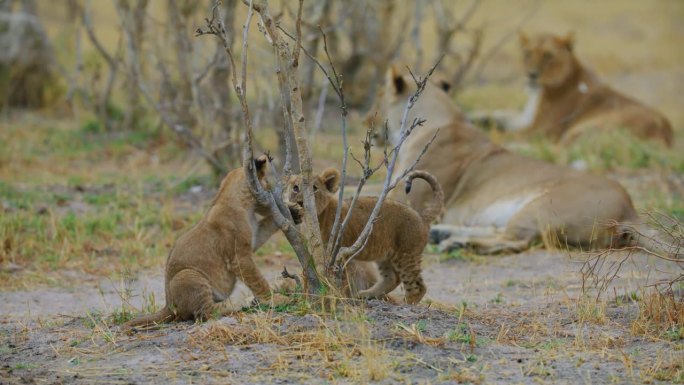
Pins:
<point x="573" y="100"/>
<point x="398" y="238"/>
<point x="498" y="201"/>
<point x="205" y="262"/>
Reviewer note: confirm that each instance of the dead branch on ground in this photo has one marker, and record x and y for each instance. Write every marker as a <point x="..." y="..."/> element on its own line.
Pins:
<point x="600" y="269"/>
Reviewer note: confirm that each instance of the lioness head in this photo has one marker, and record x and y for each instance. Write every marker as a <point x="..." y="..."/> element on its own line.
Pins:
<point x="325" y="185"/>
<point x="548" y="59"/>
<point x="391" y="99"/>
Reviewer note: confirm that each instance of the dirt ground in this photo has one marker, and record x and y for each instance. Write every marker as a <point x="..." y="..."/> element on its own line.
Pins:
<point x="506" y="319"/>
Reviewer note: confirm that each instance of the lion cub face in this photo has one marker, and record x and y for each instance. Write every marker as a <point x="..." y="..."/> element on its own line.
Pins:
<point x="548" y="59"/>
<point x="325" y="185"/>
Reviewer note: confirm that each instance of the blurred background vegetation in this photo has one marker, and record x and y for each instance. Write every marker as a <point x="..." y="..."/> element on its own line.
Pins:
<point x="116" y="122"/>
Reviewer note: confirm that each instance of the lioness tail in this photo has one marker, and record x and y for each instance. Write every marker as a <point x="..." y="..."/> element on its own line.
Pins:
<point x="642" y="235"/>
<point x="434" y="209"/>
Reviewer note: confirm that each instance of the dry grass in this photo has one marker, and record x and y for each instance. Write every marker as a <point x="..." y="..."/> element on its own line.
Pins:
<point x="661" y="315"/>
<point x="342" y="348"/>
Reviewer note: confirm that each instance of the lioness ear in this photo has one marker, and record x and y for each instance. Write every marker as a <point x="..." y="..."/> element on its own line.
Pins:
<point x="260" y="165"/>
<point x="394" y="77"/>
<point x="524" y="40"/>
<point x="567" y="41"/>
<point x="331" y="179"/>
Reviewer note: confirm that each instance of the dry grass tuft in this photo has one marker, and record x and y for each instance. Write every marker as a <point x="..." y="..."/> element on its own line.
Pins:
<point x="661" y="313"/>
<point x="343" y="347"/>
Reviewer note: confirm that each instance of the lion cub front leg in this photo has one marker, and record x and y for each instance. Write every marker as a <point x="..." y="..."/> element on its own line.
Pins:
<point x="252" y="278"/>
<point x="389" y="280"/>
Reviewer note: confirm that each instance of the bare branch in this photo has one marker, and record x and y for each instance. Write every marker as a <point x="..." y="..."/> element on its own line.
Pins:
<point x="599" y="272"/>
<point x="345" y="253"/>
<point x="295" y="277"/>
<point x="504" y="39"/>
<point x="298" y="42"/>
<point x="112" y="63"/>
<point x="280" y="213"/>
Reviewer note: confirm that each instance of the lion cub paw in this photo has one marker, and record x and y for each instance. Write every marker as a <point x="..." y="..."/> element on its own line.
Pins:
<point x="285" y="285"/>
<point x="278" y="299"/>
<point x="297" y="212"/>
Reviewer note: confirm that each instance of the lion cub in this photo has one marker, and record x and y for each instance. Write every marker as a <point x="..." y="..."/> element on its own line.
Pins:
<point x="398" y="238"/>
<point x="206" y="261"/>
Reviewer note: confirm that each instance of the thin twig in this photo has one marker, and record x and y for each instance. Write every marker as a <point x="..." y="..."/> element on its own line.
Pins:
<point x="389" y="184"/>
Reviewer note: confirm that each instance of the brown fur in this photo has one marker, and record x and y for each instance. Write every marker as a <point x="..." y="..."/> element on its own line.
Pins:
<point x="573" y="100"/>
<point x="398" y="238"/>
<point x="205" y="262"/>
<point x="496" y="200"/>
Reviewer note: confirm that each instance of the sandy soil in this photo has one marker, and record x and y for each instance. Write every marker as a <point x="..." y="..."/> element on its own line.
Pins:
<point x="522" y="310"/>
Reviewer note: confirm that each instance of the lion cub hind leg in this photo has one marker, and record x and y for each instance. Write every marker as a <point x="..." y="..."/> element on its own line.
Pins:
<point x="252" y="278"/>
<point x="388" y="281"/>
<point x="191" y="295"/>
<point x="410" y="275"/>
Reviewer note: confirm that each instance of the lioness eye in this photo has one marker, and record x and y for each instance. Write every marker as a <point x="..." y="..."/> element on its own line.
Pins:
<point x="547" y="56"/>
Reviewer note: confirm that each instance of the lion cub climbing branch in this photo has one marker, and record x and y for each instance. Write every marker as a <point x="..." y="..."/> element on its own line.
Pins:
<point x="205" y="262"/>
<point x="398" y="238"/>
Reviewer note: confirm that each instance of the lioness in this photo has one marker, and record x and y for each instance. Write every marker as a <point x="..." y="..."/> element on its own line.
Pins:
<point x="498" y="201"/>
<point x="205" y="262"/>
<point x="398" y="237"/>
<point x="566" y="99"/>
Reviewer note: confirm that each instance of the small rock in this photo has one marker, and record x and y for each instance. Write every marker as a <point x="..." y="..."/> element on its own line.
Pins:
<point x="196" y="189"/>
<point x="579" y="165"/>
<point x="10" y="267"/>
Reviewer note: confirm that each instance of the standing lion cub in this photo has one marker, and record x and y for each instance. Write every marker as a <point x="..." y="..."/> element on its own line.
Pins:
<point x="205" y="262"/>
<point x="398" y="238"/>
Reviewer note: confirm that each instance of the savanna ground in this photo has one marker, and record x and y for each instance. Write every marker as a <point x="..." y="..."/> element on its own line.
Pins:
<point x="87" y="219"/>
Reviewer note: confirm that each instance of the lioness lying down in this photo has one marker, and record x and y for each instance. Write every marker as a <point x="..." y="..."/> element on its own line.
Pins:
<point x="398" y="238"/>
<point x="205" y="262"/>
<point x="496" y="200"/>
<point x="566" y="99"/>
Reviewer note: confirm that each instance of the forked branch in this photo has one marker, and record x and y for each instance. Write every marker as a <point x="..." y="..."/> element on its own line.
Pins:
<point x="280" y="213"/>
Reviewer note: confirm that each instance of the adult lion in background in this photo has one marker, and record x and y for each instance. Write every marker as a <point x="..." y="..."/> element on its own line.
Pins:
<point x="496" y="200"/>
<point x="566" y="99"/>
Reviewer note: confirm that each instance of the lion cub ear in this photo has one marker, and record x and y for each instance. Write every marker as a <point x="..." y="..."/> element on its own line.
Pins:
<point x="396" y="80"/>
<point x="567" y="41"/>
<point x="331" y="179"/>
<point x="260" y="164"/>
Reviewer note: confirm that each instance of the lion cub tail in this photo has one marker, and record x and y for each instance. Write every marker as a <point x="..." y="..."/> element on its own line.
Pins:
<point x="434" y="208"/>
<point x="164" y="315"/>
